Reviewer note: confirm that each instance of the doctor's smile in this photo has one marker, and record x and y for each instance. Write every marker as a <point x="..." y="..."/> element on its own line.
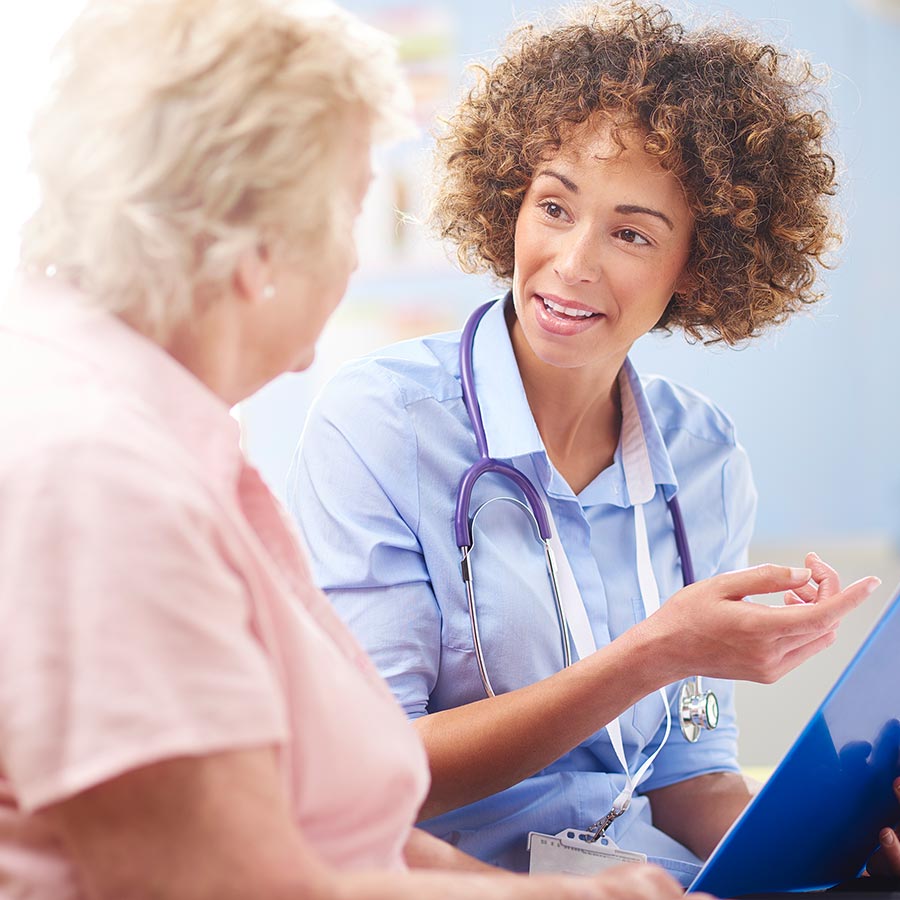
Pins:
<point x="564" y="317"/>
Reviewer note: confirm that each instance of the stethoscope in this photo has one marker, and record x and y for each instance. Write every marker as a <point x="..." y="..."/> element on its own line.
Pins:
<point x="699" y="709"/>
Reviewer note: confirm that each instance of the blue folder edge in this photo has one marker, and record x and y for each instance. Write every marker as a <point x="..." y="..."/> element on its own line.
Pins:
<point x="816" y="820"/>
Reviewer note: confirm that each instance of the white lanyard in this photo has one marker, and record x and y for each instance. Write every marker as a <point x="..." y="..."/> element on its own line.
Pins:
<point x="641" y="488"/>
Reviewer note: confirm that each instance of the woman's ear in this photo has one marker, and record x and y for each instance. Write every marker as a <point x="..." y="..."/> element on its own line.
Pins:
<point x="253" y="276"/>
<point x="686" y="284"/>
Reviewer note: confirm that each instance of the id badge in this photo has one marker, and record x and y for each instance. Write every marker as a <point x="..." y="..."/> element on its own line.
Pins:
<point x="571" y="853"/>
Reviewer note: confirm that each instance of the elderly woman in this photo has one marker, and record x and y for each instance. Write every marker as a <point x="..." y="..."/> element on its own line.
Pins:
<point x="181" y="713"/>
<point x="619" y="174"/>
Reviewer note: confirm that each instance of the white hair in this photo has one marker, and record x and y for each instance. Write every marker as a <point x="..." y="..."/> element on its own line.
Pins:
<point x="181" y="133"/>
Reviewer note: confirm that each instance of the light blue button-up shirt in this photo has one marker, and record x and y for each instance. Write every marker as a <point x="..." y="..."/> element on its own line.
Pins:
<point x="373" y="487"/>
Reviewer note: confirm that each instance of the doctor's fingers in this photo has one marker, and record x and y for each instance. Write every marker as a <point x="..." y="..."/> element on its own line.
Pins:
<point x="825" y="582"/>
<point x="886" y="859"/>
<point x="888" y="853"/>
<point x="765" y="579"/>
<point x="796" y="655"/>
<point x="827" y="579"/>
<point x="795" y="597"/>
<point x="889" y="841"/>
<point x="827" y="612"/>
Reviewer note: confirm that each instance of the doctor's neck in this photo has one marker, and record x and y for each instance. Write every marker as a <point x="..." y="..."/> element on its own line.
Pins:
<point x="577" y="410"/>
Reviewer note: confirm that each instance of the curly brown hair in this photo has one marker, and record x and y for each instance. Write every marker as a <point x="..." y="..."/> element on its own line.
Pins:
<point x="737" y="121"/>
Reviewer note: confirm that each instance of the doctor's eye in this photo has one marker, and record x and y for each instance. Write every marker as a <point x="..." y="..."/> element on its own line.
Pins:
<point x="553" y="210"/>
<point x="631" y="237"/>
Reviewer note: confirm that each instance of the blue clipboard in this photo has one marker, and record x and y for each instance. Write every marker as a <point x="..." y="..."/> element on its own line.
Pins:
<point x="817" y="818"/>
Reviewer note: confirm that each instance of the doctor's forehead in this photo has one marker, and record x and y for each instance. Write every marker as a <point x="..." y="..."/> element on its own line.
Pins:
<point x="614" y="157"/>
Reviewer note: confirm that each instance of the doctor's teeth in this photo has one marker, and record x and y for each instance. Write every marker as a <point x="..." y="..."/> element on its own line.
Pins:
<point x="567" y="311"/>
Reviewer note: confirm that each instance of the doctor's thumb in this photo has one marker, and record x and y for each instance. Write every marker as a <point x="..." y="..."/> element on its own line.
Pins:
<point x="765" y="579"/>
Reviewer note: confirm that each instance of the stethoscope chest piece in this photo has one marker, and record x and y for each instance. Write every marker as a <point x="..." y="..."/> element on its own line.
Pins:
<point x="699" y="710"/>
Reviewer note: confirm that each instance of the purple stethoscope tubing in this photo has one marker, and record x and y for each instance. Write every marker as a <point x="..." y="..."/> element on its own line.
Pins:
<point x="486" y="463"/>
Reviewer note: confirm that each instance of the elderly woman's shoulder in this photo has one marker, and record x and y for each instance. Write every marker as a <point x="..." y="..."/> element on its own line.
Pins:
<point x="71" y="444"/>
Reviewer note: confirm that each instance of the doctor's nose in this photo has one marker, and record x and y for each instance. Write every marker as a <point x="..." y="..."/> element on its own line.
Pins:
<point x="578" y="260"/>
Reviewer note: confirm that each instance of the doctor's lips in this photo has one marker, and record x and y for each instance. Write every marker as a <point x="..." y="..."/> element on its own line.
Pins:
<point x="570" y="308"/>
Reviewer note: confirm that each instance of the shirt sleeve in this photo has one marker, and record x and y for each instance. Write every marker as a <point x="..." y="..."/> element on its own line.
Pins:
<point x="739" y="501"/>
<point x="126" y="632"/>
<point x="353" y="490"/>
<point x="716" y="751"/>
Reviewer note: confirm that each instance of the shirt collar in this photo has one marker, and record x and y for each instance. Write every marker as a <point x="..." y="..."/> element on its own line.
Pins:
<point x="509" y="424"/>
<point x="663" y="473"/>
<point x="132" y="365"/>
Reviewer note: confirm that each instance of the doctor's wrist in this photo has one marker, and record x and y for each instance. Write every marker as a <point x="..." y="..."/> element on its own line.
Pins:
<point x="654" y="656"/>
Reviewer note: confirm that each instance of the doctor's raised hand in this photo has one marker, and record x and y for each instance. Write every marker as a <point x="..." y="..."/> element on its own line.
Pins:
<point x="703" y="629"/>
<point x="182" y="715"/>
<point x="543" y="551"/>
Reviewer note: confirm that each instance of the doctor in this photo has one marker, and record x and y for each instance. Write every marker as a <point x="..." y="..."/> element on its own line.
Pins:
<point x="619" y="175"/>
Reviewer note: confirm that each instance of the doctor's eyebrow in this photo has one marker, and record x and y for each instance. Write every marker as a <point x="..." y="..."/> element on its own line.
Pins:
<point x="628" y="209"/>
<point x="567" y="183"/>
<point x="623" y="208"/>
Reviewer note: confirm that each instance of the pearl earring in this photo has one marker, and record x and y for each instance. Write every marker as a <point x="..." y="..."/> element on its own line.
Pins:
<point x="268" y="292"/>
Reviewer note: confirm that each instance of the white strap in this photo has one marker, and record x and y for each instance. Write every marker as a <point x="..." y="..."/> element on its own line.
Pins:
<point x="570" y="596"/>
<point x="585" y="645"/>
<point x="641" y="488"/>
<point x="645" y="573"/>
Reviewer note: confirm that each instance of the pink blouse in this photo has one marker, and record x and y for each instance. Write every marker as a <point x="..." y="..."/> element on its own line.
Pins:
<point x="155" y="602"/>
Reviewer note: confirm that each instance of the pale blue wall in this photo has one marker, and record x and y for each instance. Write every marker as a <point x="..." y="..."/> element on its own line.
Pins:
<point x="815" y="405"/>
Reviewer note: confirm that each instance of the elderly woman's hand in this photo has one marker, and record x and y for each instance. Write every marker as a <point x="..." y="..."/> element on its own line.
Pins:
<point x="625" y="882"/>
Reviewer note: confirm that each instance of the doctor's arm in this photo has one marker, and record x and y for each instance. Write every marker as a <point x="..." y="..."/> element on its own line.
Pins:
<point x="425" y="851"/>
<point x="705" y="628"/>
<point x="698" y="811"/>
